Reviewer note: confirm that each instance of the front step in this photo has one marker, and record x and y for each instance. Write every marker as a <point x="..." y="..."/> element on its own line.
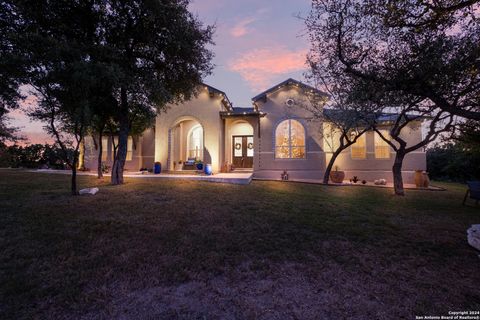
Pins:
<point x="187" y="172"/>
<point x="243" y="170"/>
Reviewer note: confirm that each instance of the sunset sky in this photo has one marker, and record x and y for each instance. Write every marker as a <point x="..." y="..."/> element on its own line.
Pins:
<point x="258" y="43"/>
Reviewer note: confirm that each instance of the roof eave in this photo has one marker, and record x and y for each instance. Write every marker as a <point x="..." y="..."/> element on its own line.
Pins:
<point x="289" y="81"/>
<point x="225" y="101"/>
<point x="228" y="114"/>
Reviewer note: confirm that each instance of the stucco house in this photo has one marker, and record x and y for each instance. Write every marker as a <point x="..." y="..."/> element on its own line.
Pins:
<point x="273" y="135"/>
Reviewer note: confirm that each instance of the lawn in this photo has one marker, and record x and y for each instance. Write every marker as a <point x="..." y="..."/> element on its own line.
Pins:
<point x="269" y="250"/>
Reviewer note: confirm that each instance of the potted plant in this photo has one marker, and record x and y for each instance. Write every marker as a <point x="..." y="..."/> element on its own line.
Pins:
<point x="199" y="165"/>
<point x="419" y="178"/>
<point x="105" y="168"/>
<point x="224" y="168"/>
<point x="337" y="176"/>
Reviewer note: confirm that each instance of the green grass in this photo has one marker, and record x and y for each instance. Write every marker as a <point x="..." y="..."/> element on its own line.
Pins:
<point x="179" y="249"/>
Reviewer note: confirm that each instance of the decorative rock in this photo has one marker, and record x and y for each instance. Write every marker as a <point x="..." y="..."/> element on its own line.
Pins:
<point x="91" y="191"/>
<point x="474" y="236"/>
<point x="380" y="182"/>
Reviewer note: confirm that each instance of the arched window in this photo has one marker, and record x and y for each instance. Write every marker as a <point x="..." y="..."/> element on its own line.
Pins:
<point x="290" y="140"/>
<point x="195" y="143"/>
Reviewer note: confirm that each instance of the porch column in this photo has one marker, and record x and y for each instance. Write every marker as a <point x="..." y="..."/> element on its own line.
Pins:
<point x="181" y="147"/>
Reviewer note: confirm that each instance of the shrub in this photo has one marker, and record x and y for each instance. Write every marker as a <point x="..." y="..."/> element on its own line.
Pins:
<point x="453" y="162"/>
<point x="32" y="156"/>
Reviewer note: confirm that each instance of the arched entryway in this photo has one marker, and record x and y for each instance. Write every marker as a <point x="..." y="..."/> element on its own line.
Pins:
<point x="242" y="146"/>
<point x="195" y="143"/>
<point x="186" y="144"/>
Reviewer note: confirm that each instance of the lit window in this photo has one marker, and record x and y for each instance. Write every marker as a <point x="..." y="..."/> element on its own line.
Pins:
<point x="104" y="148"/>
<point x="114" y="146"/>
<point x="382" y="148"/>
<point x="290" y="140"/>
<point x="195" y="143"/>
<point x="359" y="148"/>
<point x="129" y="149"/>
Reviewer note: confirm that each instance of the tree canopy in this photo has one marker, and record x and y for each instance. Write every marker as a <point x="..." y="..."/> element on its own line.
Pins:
<point x="416" y="59"/>
<point x="102" y="60"/>
<point x="159" y="52"/>
<point x="416" y="49"/>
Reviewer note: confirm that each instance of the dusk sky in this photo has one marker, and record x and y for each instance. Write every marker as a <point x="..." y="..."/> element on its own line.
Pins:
<point x="258" y="43"/>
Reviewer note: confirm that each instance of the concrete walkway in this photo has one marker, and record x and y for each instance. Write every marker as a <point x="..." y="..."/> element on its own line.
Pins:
<point x="232" y="178"/>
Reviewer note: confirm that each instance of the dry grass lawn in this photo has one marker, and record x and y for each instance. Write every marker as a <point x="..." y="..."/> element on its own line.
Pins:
<point x="190" y="250"/>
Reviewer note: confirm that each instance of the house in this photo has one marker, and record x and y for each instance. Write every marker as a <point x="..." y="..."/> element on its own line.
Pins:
<point x="272" y="136"/>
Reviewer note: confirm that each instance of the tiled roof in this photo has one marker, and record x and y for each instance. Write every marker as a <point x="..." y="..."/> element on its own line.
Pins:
<point x="378" y="117"/>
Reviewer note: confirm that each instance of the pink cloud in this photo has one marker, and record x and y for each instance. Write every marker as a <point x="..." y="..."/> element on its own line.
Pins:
<point x="31" y="130"/>
<point x="260" y="67"/>
<point x="34" y="137"/>
<point x="241" y="28"/>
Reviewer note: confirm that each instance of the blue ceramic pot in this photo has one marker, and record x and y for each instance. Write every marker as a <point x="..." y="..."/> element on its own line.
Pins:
<point x="208" y="169"/>
<point x="199" y="166"/>
<point x="157" y="168"/>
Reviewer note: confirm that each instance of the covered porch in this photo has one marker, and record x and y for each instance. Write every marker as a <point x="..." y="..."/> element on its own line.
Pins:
<point x="241" y="137"/>
<point x="186" y="145"/>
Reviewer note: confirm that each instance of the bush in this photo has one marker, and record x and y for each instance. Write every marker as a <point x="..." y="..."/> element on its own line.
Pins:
<point x="453" y="162"/>
<point x="32" y="156"/>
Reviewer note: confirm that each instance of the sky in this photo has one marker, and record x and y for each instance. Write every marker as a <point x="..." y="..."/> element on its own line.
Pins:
<point x="258" y="43"/>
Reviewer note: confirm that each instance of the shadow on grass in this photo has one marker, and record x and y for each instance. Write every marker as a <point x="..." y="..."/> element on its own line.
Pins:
<point x="66" y="256"/>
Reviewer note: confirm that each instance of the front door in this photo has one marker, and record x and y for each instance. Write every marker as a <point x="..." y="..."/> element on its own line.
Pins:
<point x="242" y="151"/>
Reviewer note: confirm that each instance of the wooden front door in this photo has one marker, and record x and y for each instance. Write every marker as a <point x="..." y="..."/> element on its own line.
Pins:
<point x="242" y="151"/>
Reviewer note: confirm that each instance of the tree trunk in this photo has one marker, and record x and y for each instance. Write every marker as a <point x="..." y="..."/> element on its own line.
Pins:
<point x="74" y="174"/>
<point x="100" y="152"/>
<point x="397" y="173"/>
<point x="326" y="176"/>
<point x="119" y="163"/>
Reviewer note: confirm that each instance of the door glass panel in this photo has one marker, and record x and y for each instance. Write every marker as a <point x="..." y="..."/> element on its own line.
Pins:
<point x="249" y="146"/>
<point x="237" y="147"/>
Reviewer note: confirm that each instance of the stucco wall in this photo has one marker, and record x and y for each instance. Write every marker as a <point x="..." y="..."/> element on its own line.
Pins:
<point x="148" y="148"/>
<point x="204" y="109"/>
<point x="154" y="144"/>
<point x="372" y="168"/>
<point x="266" y="165"/>
<point x="91" y="154"/>
<point x="313" y="166"/>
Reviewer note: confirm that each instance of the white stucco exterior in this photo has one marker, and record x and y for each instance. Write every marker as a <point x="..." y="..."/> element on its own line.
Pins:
<point x="168" y="142"/>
